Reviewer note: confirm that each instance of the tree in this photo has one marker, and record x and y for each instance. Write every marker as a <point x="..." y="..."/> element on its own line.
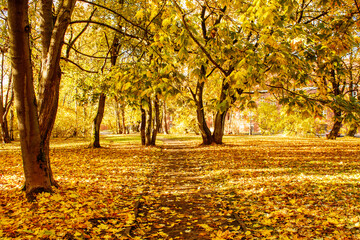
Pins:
<point x="6" y="91"/>
<point x="312" y="50"/>
<point x="36" y="118"/>
<point x="6" y="98"/>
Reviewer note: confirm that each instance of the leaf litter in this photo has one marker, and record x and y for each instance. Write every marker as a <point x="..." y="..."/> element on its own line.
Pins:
<point x="248" y="188"/>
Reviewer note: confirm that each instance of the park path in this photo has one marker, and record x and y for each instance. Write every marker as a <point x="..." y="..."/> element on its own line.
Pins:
<point x="179" y="203"/>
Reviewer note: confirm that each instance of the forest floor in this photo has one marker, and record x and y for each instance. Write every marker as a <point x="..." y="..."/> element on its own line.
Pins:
<point x="249" y="188"/>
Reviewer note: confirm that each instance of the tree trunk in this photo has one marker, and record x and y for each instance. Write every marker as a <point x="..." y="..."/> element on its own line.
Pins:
<point x="219" y="124"/>
<point x="76" y="131"/>
<point x="166" y="129"/>
<point x="200" y="113"/>
<point x="149" y="123"/>
<point x="36" y="169"/>
<point x="219" y="127"/>
<point x="97" y="121"/>
<point x="11" y="125"/>
<point x="5" y="132"/>
<point x="353" y="130"/>
<point x="123" y="119"/>
<point x="156" y="124"/>
<point x="119" y="129"/>
<point x="52" y="37"/>
<point x="337" y="125"/>
<point x="143" y="125"/>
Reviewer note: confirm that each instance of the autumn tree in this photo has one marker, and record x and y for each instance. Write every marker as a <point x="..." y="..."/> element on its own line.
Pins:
<point x="315" y="52"/>
<point x="6" y="91"/>
<point x="36" y="116"/>
<point x="224" y="46"/>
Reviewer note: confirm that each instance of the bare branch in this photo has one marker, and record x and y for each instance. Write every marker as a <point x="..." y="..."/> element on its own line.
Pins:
<point x="105" y="25"/>
<point x="77" y="65"/>
<point x="317" y="17"/>
<point x="88" y="55"/>
<point x="71" y="44"/>
<point x="298" y="94"/>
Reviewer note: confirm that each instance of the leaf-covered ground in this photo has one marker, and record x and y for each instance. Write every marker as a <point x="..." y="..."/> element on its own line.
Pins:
<point x="249" y="188"/>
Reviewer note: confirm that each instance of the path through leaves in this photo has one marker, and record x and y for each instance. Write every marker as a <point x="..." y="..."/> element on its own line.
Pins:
<point x="249" y="188"/>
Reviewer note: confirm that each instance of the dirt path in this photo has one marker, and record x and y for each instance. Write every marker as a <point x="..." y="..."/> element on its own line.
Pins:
<point x="179" y="204"/>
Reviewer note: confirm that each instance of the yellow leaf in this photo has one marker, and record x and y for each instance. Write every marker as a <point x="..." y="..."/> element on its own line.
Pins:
<point x="206" y="227"/>
<point x="103" y="226"/>
<point x="140" y="14"/>
<point x="266" y="232"/>
<point x="247" y="233"/>
<point x="266" y="222"/>
<point x="56" y="197"/>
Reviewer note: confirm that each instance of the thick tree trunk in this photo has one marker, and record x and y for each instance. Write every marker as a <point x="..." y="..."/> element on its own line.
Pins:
<point x="5" y="132"/>
<point x="204" y="129"/>
<point x="156" y="124"/>
<point x="97" y="121"/>
<point x="200" y="113"/>
<point x="219" y="124"/>
<point x="143" y="125"/>
<point x="353" y="130"/>
<point x="36" y="169"/>
<point x="336" y="127"/>
<point x="52" y="36"/>
<point x="149" y="123"/>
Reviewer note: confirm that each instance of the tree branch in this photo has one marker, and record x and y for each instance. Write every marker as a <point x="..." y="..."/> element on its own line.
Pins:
<point x="105" y="25"/>
<point x="298" y="94"/>
<point x="192" y="93"/>
<point x="357" y="5"/>
<point x="87" y="55"/>
<point x="116" y="13"/>
<point x="77" y="65"/>
<point x="317" y="17"/>
<point x="71" y="43"/>
<point x="197" y="42"/>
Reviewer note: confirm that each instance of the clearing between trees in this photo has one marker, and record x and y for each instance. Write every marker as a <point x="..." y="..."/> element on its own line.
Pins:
<point x="249" y="188"/>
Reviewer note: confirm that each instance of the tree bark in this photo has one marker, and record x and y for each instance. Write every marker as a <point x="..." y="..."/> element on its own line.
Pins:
<point x="11" y="125"/>
<point x="220" y="118"/>
<point x="37" y="178"/>
<point x="337" y="125"/>
<point x="97" y="121"/>
<point x="123" y="119"/>
<point x="5" y="132"/>
<point x="143" y="125"/>
<point x="3" y="110"/>
<point x="114" y="50"/>
<point x="156" y="125"/>
<point x="119" y="129"/>
<point x="200" y="113"/>
<point x="149" y="123"/>
<point x="219" y="126"/>
<point x="219" y="123"/>
<point x="166" y="129"/>
<point x="353" y="130"/>
<point x="52" y="36"/>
